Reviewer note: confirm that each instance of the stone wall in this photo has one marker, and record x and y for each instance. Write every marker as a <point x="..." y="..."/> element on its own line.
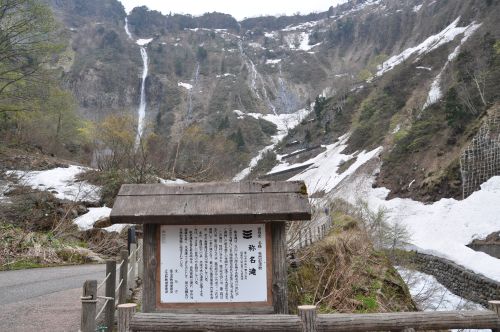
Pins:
<point x="459" y="280"/>
<point x="492" y="249"/>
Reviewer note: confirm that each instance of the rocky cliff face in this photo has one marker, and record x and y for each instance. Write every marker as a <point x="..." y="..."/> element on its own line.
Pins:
<point x="377" y="61"/>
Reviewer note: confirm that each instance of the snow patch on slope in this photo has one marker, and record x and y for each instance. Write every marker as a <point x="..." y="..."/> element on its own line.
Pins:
<point x="322" y="175"/>
<point x="443" y="228"/>
<point x="283" y="122"/>
<point x="435" y="93"/>
<point x="431" y="43"/>
<point x="61" y="182"/>
<point x="4" y="186"/>
<point x="299" y="41"/>
<point x="431" y="295"/>
<point x="87" y="220"/>
<point x="143" y="42"/>
<point x="272" y="61"/>
<point x="185" y="85"/>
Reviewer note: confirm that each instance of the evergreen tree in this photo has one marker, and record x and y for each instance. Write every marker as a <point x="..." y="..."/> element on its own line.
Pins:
<point x="319" y="105"/>
<point x="240" y="141"/>
<point x="28" y="42"/>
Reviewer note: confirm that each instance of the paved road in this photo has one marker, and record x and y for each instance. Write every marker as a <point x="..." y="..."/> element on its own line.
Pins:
<point x="44" y="299"/>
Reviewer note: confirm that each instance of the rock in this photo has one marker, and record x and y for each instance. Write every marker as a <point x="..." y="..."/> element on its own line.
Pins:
<point x="102" y="222"/>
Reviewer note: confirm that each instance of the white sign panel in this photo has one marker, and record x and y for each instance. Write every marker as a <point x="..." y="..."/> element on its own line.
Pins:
<point x="213" y="263"/>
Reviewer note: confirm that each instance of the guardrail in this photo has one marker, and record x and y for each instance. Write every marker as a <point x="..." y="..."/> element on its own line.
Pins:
<point x="309" y="321"/>
<point x="128" y="270"/>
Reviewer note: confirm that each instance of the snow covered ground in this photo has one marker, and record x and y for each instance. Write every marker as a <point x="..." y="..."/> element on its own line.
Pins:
<point x="430" y="295"/>
<point x="143" y="42"/>
<point x="185" y="85"/>
<point x="433" y="42"/>
<point x="443" y="228"/>
<point x="87" y="220"/>
<point x="299" y="41"/>
<point x="61" y="182"/>
<point x="323" y="174"/>
<point x="435" y="93"/>
<point x="4" y="186"/>
<point x="284" y="122"/>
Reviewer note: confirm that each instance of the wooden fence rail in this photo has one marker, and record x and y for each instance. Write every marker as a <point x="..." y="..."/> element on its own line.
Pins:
<point x="309" y="321"/>
<point x="96" y="308"/>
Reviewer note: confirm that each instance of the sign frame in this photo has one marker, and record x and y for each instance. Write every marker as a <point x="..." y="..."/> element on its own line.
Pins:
<point x="216" y="305"/>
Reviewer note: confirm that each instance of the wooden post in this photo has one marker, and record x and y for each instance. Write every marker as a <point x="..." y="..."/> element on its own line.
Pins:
<point x="149" y="258"/>
<point x="308" y="314"/>
<point x="495" y="307"/>
<point x="280" y="284"/>
<point x="125" y="313"/>
<point x="109" y="312"/>
<point x="89" y="306"/>
<point x="132" y="267"/>
<point x="122" y="292"/>
<point x="140" y="259"/>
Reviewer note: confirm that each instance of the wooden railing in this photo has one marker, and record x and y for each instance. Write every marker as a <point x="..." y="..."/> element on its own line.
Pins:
<point x="101" y="308"/>
<point x="309" y="321"/>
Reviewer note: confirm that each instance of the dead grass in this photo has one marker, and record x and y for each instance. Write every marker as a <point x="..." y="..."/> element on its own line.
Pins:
<point x="343" y="273"/>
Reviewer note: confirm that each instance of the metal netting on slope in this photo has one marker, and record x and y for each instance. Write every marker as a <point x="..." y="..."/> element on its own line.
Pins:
<point x="481" y="159"/>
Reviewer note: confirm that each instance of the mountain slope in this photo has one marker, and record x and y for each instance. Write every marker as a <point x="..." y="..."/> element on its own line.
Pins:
<point x="384" y="64"/>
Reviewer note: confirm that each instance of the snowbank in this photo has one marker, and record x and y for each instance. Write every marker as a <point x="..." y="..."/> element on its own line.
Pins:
<point x="299" y="41"/>
<point x="143" y="42"/>
<point x="61" y="182"/>
<point x="430" y="295"/>
<point x="283" y="122"/>
<point x="185" y="85"/>
<point x="176" y="181"/>
<point x="4" y="186"/>
<point x="323" y="174"/>
<point x="433" y="42"/>
<point x="272" y="61"/>
<point x="444" y="228"/>
<point x="435" y="93"/>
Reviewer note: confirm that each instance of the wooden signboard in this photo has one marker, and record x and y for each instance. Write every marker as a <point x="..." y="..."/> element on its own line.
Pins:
<point x="213" y="260"/>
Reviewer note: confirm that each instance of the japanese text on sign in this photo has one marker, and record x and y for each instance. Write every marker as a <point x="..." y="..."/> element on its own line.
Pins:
<point x="213" y="263"/>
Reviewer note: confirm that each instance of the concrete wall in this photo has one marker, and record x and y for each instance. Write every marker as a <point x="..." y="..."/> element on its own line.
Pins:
<point x="458" y="279"/>
<point x="491" y="249"/>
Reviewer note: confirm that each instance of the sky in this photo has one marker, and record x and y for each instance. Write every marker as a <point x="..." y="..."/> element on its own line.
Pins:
<point x="239" y="9"/>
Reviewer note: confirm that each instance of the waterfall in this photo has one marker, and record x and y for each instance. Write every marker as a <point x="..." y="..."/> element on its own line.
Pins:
<point x="256" y="76"/>
<point x="141" y="112"/>
<point x="190" y="92"/>
<point x="250" y="66"/>
<point x="288" y="99"/>
<point x="127" y="31"/>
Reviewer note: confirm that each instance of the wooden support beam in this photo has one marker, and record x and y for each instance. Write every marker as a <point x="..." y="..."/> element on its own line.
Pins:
<point x="308" y="314"/>
<point x="150" y="264"/>
<point x="495" y="307"/>
<point x="123" y="290"/>
<point x="403" y="321"/>
<point x="132" y="266"/>
<point x="125" y="313"/>
<point x="436" y="320"/>
<point x="206" y="323"/>
<point x="109" y="312"/>
<point x="280" y="267"/>
<point x="89" y="306"/>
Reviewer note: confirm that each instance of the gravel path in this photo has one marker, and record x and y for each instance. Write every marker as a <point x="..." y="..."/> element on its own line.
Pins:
<point x="44" y="299"/>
